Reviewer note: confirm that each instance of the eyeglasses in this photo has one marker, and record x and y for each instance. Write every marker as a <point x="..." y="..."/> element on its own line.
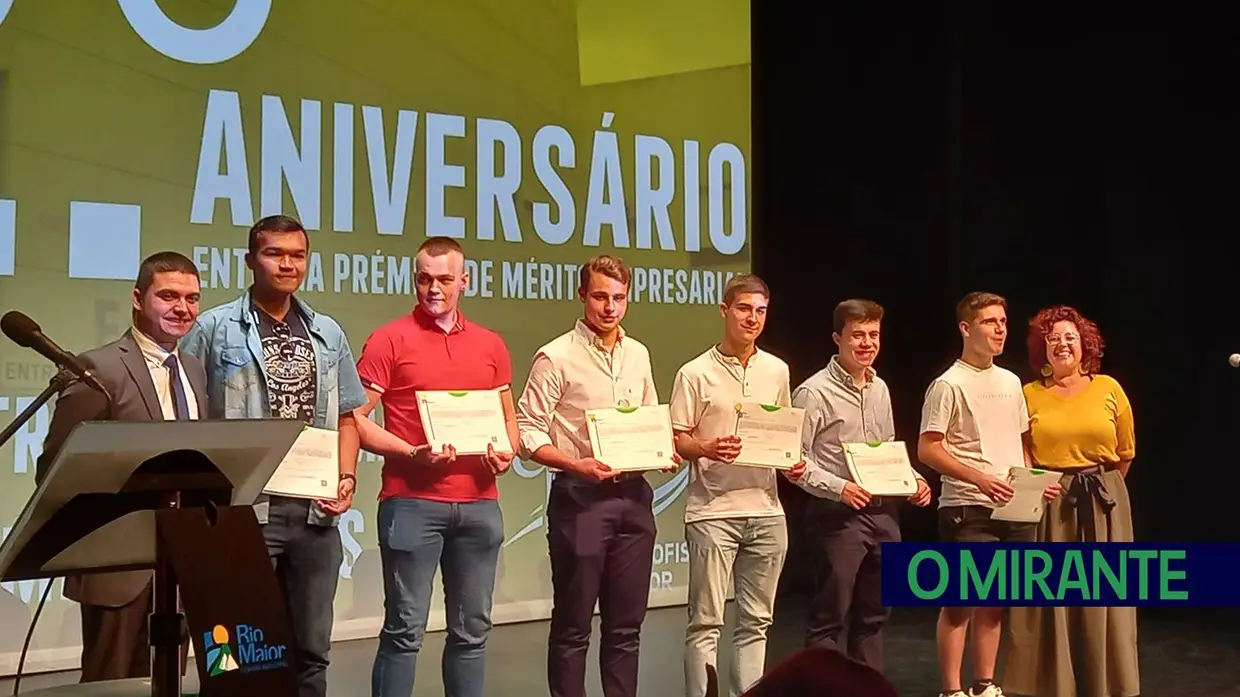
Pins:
<point x="1056" y="339"/>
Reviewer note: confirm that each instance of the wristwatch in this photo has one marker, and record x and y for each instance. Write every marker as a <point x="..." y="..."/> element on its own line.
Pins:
<point x="348" y="475"/>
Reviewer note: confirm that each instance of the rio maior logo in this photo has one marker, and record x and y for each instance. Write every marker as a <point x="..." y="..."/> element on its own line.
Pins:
<point x="244" y="649"/>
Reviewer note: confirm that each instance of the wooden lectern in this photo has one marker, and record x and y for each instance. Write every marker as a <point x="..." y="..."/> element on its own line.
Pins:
<point x="173" y="496"/>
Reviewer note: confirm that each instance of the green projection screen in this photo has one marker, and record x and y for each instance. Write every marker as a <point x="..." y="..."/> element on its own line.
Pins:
<point x="538" y="132"/>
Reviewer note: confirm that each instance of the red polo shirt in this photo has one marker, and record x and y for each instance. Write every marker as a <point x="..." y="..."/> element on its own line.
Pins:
<point x="412" y="354"/>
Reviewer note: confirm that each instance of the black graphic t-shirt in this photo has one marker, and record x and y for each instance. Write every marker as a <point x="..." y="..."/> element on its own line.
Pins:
<point x="289" y="355"/>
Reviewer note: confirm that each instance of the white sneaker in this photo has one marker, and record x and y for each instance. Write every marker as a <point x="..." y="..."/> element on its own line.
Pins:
<point x="992" y="690"/>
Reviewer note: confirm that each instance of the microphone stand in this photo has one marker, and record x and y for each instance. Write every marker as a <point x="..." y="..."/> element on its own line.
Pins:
<point x="56" y="385"/>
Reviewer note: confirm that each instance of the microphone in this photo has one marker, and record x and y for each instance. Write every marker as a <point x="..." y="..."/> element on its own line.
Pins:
<point x="1234" y="360"/>
<point x="26" y="332"/>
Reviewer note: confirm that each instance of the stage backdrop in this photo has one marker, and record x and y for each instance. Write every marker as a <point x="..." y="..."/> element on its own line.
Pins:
<point x="538" y="132"/>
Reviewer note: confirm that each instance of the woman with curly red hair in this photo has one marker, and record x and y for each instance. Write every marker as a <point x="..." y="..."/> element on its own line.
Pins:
<point x="1080" y="425"/>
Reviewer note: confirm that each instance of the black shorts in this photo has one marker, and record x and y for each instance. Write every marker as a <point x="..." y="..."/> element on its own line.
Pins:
<point x="974" y="524"/>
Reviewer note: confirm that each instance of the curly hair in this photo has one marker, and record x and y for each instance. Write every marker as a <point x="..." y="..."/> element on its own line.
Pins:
<point x="1091" y="339"/>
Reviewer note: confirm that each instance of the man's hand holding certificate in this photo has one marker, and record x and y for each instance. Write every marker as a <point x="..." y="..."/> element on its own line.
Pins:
<point x="469" y="422"/>
<point x="1031" y="488"/>
<point x="632" y="439"/>
<point x="770" y="436"/>
<point x="881" y="469"/>
<point x="311" y="469"/>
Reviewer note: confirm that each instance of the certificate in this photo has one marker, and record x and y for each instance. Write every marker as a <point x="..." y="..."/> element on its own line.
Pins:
<point x="468" y="420"/>
<point x="1027" y="504"/>
<point x="311" y="469"/>
<point x="881" y="468"/>
<point x="632" y="439"/>
<point x="770" y="435"/>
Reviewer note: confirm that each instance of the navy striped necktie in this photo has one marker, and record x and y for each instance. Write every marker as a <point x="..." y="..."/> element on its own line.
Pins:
<point x="180" y="404"/>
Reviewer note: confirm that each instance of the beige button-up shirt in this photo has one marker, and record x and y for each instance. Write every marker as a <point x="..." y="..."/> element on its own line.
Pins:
<point x="704" y="401"/>
<point x="573" y="373"/>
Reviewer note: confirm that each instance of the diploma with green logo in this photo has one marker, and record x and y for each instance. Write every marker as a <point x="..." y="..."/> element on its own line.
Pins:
<point x="468" y="420"/>
<point x="1026" y="504"/>
<point x="310" y="469"/>
<point x="631" y="439"/>
<point x="770" y="435"/>
<point x="881" y="468"/>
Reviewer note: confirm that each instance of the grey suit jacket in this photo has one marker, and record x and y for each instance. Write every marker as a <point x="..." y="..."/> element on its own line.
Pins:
<point x="121" y="367"/>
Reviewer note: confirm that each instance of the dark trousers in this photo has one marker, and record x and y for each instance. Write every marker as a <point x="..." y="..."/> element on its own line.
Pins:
<point x="307" y="561"/>
<point x="601" y="541"/>
<point x="849" y="585"/>
<point x="115" y="642"/>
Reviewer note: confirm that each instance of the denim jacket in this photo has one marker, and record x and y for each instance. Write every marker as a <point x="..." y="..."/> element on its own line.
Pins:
<point x="226" y="340"/>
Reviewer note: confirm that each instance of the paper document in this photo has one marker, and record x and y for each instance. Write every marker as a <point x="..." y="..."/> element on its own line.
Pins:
<point x="770" y="435"/>
<point x="882" y="468"/>
<point x="1027" y="503"/>
<point x="311" y="469"/>
<point x="632" y="438"/>
<point x="468" y="420"/>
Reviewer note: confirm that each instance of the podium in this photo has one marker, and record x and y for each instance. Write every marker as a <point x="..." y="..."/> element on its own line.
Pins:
<point x="175" y="497"/>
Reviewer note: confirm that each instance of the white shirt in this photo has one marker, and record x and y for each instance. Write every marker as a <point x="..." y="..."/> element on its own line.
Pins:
<point x="155" y="356"/>
<point x="704" y="398"/>
<point x="575" y="372"/>
<point x="981" y="414"/>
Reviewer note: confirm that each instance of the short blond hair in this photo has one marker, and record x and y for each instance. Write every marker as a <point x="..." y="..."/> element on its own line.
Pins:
<point x="610" y="266"/>
<point x="440" y="245"/>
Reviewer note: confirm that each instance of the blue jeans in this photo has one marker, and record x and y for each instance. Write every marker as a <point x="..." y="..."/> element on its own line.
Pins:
<point x="307" y="562"/>
<point x="415" y="537"/>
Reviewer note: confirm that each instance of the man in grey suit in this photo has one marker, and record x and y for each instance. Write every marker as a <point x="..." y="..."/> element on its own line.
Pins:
<point x="149" y="380"/>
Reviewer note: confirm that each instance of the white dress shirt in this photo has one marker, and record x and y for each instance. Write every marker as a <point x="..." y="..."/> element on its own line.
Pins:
<point x="155" y="356"/>
<point x="574" y="373"/>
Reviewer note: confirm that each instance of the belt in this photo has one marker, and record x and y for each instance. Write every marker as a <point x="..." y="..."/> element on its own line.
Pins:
<point x="623" y="477"/>
<point x="1084" y="491"/>
<point x="877" y="504"/>
<point x="620" y="478"/>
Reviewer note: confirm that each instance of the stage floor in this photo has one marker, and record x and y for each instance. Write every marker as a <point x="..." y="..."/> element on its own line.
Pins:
<point x="1181" y="654"/>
